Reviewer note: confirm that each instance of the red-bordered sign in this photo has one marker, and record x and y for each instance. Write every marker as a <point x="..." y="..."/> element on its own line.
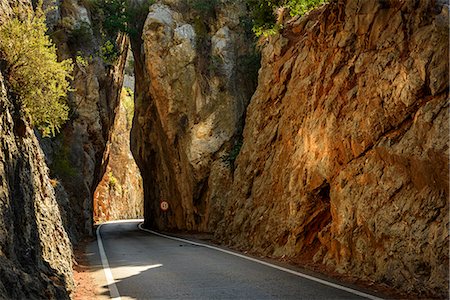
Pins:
<point x="164" y="205"/>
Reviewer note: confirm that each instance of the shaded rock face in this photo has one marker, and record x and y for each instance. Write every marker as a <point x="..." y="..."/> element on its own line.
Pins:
<point x="35" y="251"/>
<point x="76" y="155"/>
<point x="345" y="154"/>
<point x="120" y="194"/>
<point x="190" y="102"/>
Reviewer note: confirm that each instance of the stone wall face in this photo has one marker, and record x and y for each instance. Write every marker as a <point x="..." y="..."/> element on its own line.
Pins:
<point x="35" y="251"/>
<point x="120" y="194"/>
<point x="78" y="155"/>
<point x="40" y="209"/>
<point x="190" y="102"/>
<point x="345" y="155"/>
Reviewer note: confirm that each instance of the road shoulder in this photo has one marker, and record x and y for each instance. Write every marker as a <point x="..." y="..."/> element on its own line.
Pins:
<point x="90" y="281"/>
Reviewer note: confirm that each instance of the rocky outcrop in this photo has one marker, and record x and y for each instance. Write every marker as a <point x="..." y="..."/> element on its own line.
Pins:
<point x="120" y="194"/>
<point x="190" y="103"/>
<point x="35" y="252"/>
<point x="345" y="155"/>
<point x="76" y="155"/>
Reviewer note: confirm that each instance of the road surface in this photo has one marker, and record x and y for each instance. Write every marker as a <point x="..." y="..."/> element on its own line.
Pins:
<point x="146" y="266"/>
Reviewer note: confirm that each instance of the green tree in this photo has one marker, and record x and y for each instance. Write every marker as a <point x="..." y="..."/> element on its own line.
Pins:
<point x="39" y="82"/>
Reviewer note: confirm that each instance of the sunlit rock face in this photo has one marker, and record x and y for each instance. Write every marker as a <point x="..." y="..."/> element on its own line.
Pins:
<point x="35" y="252"/>
<point x="76" y="157"/>
<point x="120" y="194"/>
<point x="191" y="99"/>
<point x="345" y="154"/>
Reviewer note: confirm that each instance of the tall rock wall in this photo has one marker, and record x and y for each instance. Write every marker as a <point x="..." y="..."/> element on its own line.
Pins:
<point x="191" y="97"/>
<point x="35" y="251"/>
<point x="120" y="194"/>
<point x="37" y="212"/>
<point x="345" y="155"/>
<point x="77" y="156"/>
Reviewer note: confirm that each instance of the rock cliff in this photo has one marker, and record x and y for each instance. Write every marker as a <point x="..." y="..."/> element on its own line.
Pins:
<point x="192" y="88"/>
<point x="35" y="251"/>
<point x="345" y="154"/>
<point x="38" y="212"/>
<point x="76" y="155"/>
<point x="120" y="194"/>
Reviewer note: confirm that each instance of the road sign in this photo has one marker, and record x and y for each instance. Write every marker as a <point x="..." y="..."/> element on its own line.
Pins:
<point x="164" y="205"/>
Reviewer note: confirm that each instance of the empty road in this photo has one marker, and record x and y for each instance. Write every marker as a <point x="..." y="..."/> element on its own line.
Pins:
<point x="147" y="266"/>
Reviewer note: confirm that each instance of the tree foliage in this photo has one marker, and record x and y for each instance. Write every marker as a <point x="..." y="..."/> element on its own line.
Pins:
<point x="111" y="17"/>
<point x="263" y="12"/>
<point x="298" y="7"/>
<point x="35" y="76"/>
<point x="120" y="15"/>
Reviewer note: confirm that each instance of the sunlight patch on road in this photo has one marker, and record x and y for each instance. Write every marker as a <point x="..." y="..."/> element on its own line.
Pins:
<point x="128" y="271"/>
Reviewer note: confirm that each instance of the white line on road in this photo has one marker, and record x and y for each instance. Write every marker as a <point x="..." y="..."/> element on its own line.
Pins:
<point x="334" y="285"/>
<point x="113" y="291"/>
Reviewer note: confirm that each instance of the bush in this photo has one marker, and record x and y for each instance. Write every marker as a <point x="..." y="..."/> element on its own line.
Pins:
<point x="300" y="7"/>
<point x="113" y="181"/>
<point x="114" y="184"/>
<point x="263" y="12"/>
<point x="109" y="52"/>
<point x="81" y="61"/>
<point x="39" y="82"/>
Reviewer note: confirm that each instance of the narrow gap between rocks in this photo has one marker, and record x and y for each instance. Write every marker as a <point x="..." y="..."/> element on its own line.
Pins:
<point x="120" y="195"/>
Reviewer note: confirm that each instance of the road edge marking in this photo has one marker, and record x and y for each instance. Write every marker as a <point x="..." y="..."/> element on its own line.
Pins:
<point x="309" y="277"/>
<point x="113" y="291"/>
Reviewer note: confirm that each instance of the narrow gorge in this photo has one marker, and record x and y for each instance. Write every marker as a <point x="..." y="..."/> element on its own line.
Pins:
<point x="324" y="142"/>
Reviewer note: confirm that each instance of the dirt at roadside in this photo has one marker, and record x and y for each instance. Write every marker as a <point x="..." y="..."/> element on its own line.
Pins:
<point x="85" y="288"/>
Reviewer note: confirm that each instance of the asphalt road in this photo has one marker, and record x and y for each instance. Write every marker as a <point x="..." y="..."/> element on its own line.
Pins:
<point x="147" y="266"/>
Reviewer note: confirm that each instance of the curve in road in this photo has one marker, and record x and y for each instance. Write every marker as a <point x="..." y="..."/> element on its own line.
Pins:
<point x="143" y="264"/>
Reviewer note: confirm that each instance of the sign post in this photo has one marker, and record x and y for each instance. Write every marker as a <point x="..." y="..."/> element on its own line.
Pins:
<point x="164" y="206"/>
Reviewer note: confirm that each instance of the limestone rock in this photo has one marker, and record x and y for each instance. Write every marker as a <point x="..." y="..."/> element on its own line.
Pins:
<point x="345" y="155"/>
<point x="35" y="251"/>
<point x="76" y="155"/>
<point x="191" y="99"/>
<point x="120" y="193"/>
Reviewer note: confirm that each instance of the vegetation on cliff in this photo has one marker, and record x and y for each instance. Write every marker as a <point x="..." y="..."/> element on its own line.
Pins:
<point x="264" y="17"/>
<point x="39" y="82"/>
<point x="119" y="15"/>
<point x="110" y="18"/>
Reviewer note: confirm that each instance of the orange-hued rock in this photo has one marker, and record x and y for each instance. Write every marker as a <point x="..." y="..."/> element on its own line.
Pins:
<point x="191" y="92"/>
<point x="76" y="156"/>
<point x="345" y="155"/>
<point x="120" y="194"/>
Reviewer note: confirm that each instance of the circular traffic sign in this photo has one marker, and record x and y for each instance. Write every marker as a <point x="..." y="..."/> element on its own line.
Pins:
<point x="164" y="205"/>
